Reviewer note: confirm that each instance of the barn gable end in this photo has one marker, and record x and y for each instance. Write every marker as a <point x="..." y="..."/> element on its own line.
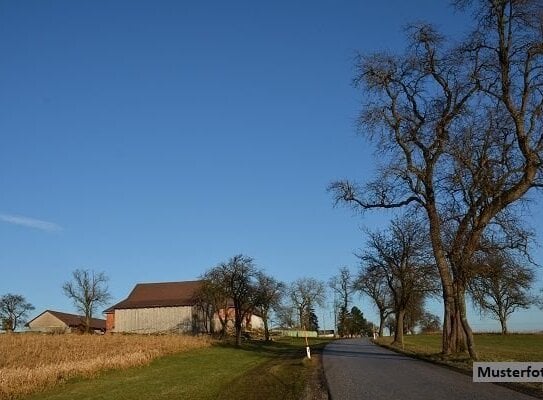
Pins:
<point x="156" y="308"/>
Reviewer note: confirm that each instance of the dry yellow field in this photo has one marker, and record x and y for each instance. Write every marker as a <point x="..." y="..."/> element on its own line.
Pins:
<point x="32" y="362"/>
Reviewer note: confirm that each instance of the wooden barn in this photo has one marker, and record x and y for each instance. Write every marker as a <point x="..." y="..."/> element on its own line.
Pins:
<point x="155" y="307"/>
<point x="165" y="307"/>
<point x="60" y="322"/>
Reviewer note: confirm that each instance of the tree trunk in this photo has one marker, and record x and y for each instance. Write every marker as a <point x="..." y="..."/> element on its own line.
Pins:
<point x="381" y="324"/>
<point x="238" y="332"/>
<point x="503" y="322"/>
<point x="223" y="322"/>
<point x="454" y="335"/>
<point x="452" y="338"/>
<point x="266" y="330"/>
<point x="398" y="330"/>
<point x="467" y="332"/>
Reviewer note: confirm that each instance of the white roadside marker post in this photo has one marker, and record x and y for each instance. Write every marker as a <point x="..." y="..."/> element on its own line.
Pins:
<point x="307" y="345"/>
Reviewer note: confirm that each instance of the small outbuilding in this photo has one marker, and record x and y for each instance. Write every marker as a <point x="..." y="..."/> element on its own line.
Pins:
<point x="60" y="322"/>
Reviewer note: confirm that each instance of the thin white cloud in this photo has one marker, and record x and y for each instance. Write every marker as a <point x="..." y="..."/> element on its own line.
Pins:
<point x="30" y="222"/>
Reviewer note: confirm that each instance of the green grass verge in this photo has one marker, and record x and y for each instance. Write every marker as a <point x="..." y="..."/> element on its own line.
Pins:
<point x="489" y="347"/>
<point x="254" y="371"/>
<point x="283" y="376"/>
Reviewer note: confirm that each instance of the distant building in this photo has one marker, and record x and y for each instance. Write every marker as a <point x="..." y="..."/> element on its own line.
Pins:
<point x="60" y="322"/>
<point x="163" y="307"/>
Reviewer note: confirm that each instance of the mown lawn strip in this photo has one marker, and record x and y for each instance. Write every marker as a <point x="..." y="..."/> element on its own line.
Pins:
<point x="254" y="371"/>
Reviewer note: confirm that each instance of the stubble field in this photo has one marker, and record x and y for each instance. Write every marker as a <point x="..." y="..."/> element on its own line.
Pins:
<point x="33" y="362"/>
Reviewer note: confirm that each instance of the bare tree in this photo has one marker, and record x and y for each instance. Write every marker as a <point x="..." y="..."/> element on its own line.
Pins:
<point x="539" y="299"/>
<point x="501" y="286"/>
<point x="372" y="283"/>
<point x="414" y="313"/>
<point x="342" y="286"/>
<point x="285" y="315"/>
<point x="429" y="323"/>
<point x="235" y="280"/>
<point x="210" y="299"/>
<point x="14" y="310"/>
<point x="390" y="324"/>
<point x="305" y="293"/>
<point x="403" y="257"/>
<point x="462" y="126"/>
<point x="269" y="292"/>
<point x="87" y="290"/>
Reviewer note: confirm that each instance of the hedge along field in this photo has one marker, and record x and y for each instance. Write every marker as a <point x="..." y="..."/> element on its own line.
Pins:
<point x="33" y="362"/>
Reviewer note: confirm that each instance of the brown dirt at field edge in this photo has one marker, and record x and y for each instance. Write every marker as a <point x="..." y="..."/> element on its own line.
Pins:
<point x="316" y="388"/>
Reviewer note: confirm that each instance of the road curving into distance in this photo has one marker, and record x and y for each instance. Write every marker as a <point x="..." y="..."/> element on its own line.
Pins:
<point x="359" y="370"/>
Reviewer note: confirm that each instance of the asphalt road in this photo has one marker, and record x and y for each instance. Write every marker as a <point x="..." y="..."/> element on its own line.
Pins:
<point x="358" y="369"/>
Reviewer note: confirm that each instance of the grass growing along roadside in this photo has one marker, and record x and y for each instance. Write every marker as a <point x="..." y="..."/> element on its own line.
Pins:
<point x="255" y="371"/>
<point x="284" y="376"/>
<point x="490" y="347"/>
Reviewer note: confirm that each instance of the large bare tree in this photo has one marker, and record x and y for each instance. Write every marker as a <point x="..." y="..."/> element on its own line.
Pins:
<point x="235" y="281"/>
<point x="461" y="125"/>
<point x="372" y="283"/>
<point x="285" y="315"/>
<point x="269" y="292"/>
<point x="87" y="290"/>
<point x="212" y="301"/>
<point x="305" y="294"/>
<point x="14" y="310"/>
<point x="342" y="286"/>
<point x="401" y="255"/>
<point x="501" y="286"/>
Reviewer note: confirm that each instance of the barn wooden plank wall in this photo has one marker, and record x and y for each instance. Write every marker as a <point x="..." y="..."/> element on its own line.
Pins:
<point x="153" y="320"/>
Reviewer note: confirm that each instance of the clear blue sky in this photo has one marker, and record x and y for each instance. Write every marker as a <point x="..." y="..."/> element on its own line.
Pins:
<point x="153" y="139"/>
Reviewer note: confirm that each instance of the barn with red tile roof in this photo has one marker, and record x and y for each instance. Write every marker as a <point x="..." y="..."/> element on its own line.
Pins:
<point x="164" y="307"/>
<point x="156" y="307"/>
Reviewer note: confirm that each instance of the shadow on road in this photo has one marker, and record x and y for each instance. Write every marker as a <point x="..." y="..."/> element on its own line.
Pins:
<point x="366" y="354"/>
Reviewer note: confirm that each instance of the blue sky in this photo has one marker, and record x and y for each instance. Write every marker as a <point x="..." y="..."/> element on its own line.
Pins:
<point x="152" y="140"/>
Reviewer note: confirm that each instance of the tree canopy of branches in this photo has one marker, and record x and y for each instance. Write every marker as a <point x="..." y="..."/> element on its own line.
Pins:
<point x="210" y="298"/>
<point x="414" y="313"/>
<point x="285" y="314"/>
<point x="342" y="286"/>
<point x="371" y="282"/>
<point x="429" y="323"/>
<point x="305" y="294"/>
<point x="14" y="310"/>
<point x="235" y="281"/>
<point x="87" y="290"/>
<point x="401" y="256"/>
<point x="501" y="286"/>
<point x="269" y="292"/>
<point x="462" y="130"/>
